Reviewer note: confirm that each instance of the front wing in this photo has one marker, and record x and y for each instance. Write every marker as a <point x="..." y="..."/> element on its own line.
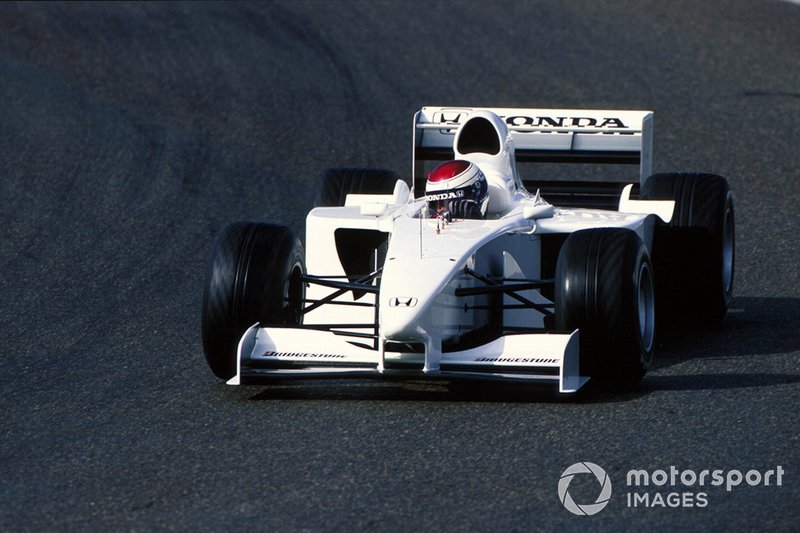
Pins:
<point x="267" y="353"/>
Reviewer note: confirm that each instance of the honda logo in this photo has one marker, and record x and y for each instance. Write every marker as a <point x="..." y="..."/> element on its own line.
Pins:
<point x="403" y="301"/>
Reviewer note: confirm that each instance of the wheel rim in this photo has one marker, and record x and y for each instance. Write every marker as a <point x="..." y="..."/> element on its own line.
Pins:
<point x="295" y="293"/>
<point x="646" y="297"/>
<point x="727" y="249"/>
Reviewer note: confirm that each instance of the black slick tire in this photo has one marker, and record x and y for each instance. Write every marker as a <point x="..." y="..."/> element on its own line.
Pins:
<point x="693" y="255"/>
<point x="604" y="288"/>
<point x="253" y="275"/>
<point x="334" y="184"/>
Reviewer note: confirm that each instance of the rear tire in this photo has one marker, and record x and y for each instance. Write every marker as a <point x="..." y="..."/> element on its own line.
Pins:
<point x="253" y="275"/>
<point x="334" y="184"/>
<point x="693" y="255"/>
<point x="604" y="288"/>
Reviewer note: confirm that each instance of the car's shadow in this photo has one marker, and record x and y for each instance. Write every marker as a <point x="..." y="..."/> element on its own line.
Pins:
<point x="411" y="391"/>
<point x="755" y="327"/>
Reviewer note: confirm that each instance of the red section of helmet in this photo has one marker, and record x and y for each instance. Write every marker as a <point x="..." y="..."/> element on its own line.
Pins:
<point x="447" y="170"/>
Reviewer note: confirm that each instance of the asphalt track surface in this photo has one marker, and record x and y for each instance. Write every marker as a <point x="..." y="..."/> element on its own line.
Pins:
<point x="130" y="134"/>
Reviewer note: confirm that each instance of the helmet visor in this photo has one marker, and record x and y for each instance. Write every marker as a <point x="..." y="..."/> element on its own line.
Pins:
<point x="440" y="202"/>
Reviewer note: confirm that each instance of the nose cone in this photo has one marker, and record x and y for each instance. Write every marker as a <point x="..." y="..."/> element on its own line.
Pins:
<point x="408" y="287"/>
<point x="420" y="263"/>
<point x="400" y="318"/>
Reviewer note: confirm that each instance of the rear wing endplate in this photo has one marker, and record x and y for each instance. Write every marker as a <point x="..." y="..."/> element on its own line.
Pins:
<point x="547" y="135"/>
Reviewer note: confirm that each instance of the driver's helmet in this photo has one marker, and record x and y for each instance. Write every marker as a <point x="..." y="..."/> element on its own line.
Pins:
<point x="457" y="189"/>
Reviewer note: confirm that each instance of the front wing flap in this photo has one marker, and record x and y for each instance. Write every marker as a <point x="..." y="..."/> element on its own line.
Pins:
<point x="267" y="353"/>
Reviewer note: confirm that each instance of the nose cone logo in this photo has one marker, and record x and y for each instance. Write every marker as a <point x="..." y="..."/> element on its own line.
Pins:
<point x="402" y="301"/>
<point x="586" y="509"/>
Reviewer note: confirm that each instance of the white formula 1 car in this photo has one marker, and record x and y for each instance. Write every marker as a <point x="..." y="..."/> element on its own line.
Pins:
<point x="554" y="287"/>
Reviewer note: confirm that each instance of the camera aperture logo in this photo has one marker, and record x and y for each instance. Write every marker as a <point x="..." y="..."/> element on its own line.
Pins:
<point x="584" y="509"/>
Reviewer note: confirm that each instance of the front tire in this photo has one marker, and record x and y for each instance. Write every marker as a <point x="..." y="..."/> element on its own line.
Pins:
<point x="253" y="275"/>
<point x="604" y="288"/>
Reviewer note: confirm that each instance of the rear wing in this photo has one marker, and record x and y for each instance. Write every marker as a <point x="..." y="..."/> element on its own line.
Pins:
<point x="546" y="135"/>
